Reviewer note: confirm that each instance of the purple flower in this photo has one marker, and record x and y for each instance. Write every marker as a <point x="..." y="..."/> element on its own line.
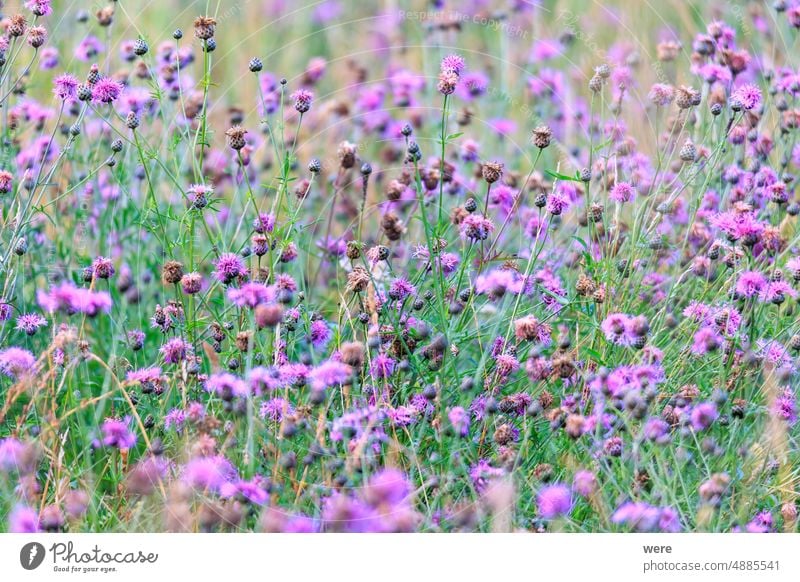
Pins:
<point x="645" y="518"/>
<point x="12" y="455"/>
<point x="175" y="350"/>
<point x="750" y="283"/>
<point x="482" y="474"/>
<point x="39" y="7"/>
<point x="253" y="491"/>
<point x="746" y="96"/>
<point x="761" y="523"/>
<point x="382" y="366"/>
<point x="703" y="415"/>
<point x="65" y="87"/>
<point x="70" y="299"/>
<point x="103" y="268"/>
<point x="785" y="406"/>
<point x="16" y="362"/>
<point x="554" y="501"/>
<point x="175" y="418"/>
<point x="453" y="64"/>
<point x="229" y="267"/>
<point x="329" y="373"/>
<point x="400" y="289"/>
<point x="584" y="483"/>
<point x="227" y="386"/>
<point x="251" y="294"/>
<point x="23" y="519"/>
<point x="208" y="474"/>
<point x="264" y="223"/>
<point x="275" y="409"/>
<point x="30" y="323"/>
<point x="618" y="329"/>
<point x="117" y="433"/>
<point x="656" y="430"/>
<point x="106" y="90"/>
<point x="661" y="94"/>
<point x="319" y="334"/>
<point x="387" y="487"/>
<point x="302" y="100"/>
<point x="476" y="228"/>
<point x="459" y="420"/>
<point x="706" y="339"/>
<point x="622" y="192"/>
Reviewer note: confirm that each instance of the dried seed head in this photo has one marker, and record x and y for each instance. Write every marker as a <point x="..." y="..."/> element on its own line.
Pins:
<point x="603" y="71"/>
<point x="542" y="136"/>
<point x="392" y="226"/>
<point x="492" y="171"/>
<point x="105" y="16"/>
<point x="352" y="354"/>
<point x="358" y="280"/>
<point x="37" y="35"/>
<point x="204" y="27"/>
<point x="353" y="250"/>
<point x="16" y="25"/>
<point x="687" y="97"/>
<point x="504" y="434"/>
<point x="599" y="295"/>
<point x="596" y="84"/>
<point x="688" y="152"/>
<point x="235" y="137"/>
<point x="268" y="315"/>
<point x="347" y="154"/>
<point x="585" y="286"/>
<point x="171" y="273"/>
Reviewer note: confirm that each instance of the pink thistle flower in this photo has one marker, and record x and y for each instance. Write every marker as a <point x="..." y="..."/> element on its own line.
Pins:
<point x="175" y="350"/>
<point x="621" y="192"/>
<point x="30" y="323"/>
<point x="329" y="373"/>
<point x="117" y="433"/>
<point x="275" y="409"/>
<point x="319" y="334"/>
<point x="106" y="90"/>
<point x="453" y="64"/>
<point x="229" y="267"/>
<point x="251" y="294"/>
<point x="459" y="420"/>
<point x="302" y="100"/>
<point x="750" y="284"/>
<point x="208" y="474"/>
<point x="747" y="96"/>
<point x="554" y="501"/>
<point x="6" y="181"/>
<point x="618" y="329"/>
<point x="227" y="386"/>
<point x="16" y="362"/>
<point x="382" y="366"/>
<point x="39" y="7"/>
<point x="661" y="94"/>
<point x="65" y="87"/>
<point x="476" y="228"/>
<point x="23" y="519"/>
<point x="706" y="339"/>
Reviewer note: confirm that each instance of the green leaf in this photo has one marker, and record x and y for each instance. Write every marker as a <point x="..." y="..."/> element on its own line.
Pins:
<point x="561" y="176"/>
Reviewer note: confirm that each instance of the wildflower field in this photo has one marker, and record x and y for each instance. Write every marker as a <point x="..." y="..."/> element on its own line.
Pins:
<point x="333" y="266"/>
